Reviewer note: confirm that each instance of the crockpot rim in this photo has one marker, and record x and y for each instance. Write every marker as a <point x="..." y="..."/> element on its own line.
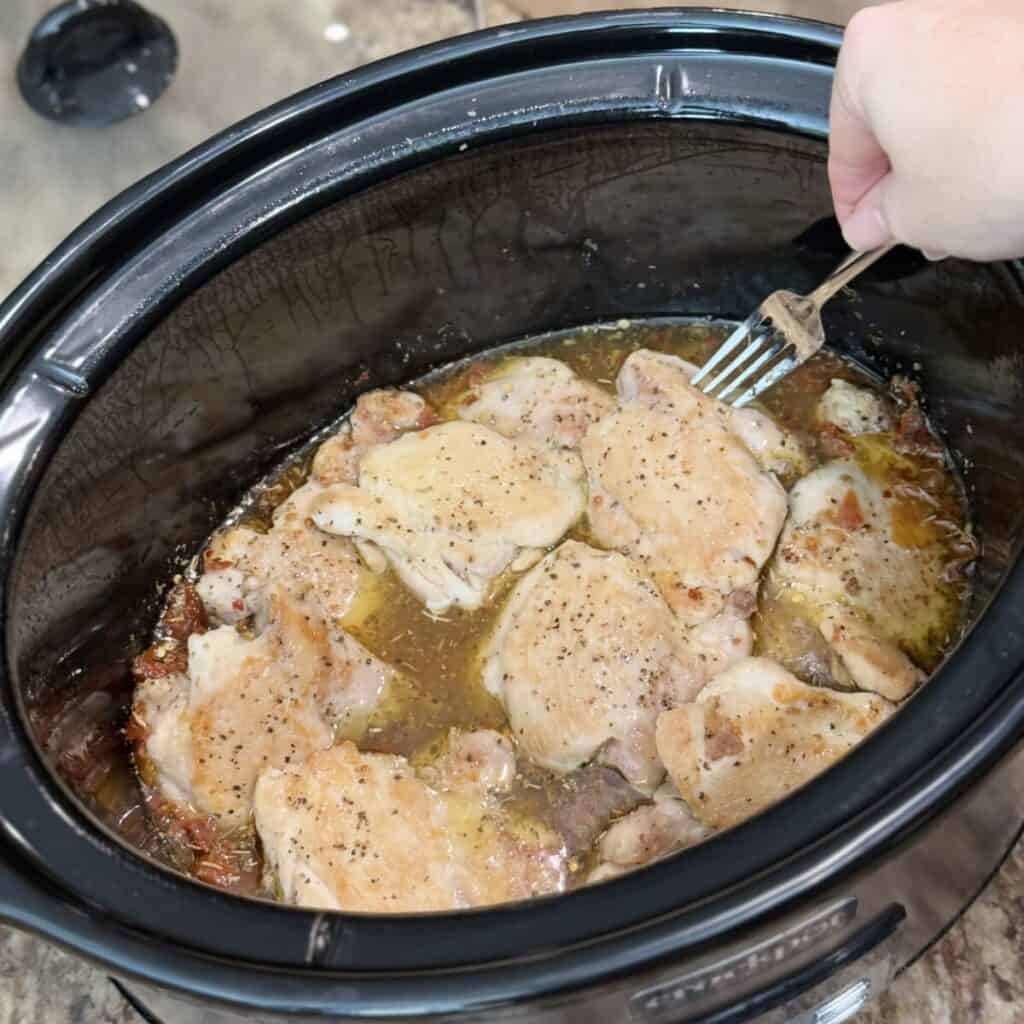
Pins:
<point x="58" y="268"/>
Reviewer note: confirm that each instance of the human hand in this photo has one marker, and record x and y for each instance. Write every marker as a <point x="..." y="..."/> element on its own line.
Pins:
<point x="927" y="128"/>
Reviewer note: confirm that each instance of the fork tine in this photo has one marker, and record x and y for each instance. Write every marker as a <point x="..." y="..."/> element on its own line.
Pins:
<point x="774" y="374"/>
<point x="768" y="354"/>
<point x="727" y="347"/>
<point x="752" y="349"/>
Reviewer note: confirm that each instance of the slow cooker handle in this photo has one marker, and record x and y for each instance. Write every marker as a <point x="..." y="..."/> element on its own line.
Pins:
<point x="33" y="903"/>
<point x="29" y="902"/>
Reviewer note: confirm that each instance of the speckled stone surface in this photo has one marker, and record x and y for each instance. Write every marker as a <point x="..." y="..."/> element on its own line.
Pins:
<point x="236" y="58"/>
<point x="41" y="985"/>
<point x="975" y="973"/>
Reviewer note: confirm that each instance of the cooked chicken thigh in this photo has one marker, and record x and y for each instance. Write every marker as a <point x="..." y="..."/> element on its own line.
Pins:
<point x="482" y="761"/>
<point x="357" y="832"/>
<point x="454" y="506"/>
<point x="777" y="451"/>
<point x="756" y="733"/>
<point x="586" y="655"/>
<point x="164" y="755"/>
<point x="504" y="855"/>
<point x="560" y="711"/>
<point x="646" y="834"/>
<point x="315" y="566"/>
<point x="865" y="565"/>
<point x="361" y="832"/>
<point x="379" y="417"/>
<point x="854" y="410"/>
<point x="248" y="704"/>
<point x="674" y="485"/>
<point x="539" y="399"/>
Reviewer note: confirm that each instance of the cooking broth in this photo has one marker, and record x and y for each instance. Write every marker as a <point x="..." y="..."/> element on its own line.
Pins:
<point x="437" y="657"/>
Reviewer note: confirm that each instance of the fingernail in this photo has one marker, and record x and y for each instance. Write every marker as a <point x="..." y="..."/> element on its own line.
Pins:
<point x="934" y="255"/>
<point x="866" y="229"/>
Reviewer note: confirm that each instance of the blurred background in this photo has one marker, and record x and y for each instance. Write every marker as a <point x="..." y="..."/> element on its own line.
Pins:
<point x="235" y="57"/>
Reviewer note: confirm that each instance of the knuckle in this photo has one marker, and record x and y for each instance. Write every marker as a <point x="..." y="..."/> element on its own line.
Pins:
<point x="862" y="58"/>
<point x="863" y="28"/>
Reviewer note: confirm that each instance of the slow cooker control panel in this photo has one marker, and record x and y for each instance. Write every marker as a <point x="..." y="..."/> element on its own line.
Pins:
<point x="816" y="971"/>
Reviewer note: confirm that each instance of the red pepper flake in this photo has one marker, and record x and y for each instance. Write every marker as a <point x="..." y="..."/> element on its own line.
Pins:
<point x="184" y="614"/>
<point x="160" y="660"/>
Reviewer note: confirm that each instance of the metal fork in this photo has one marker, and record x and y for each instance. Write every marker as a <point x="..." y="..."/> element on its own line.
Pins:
<point x="783" y="332"/>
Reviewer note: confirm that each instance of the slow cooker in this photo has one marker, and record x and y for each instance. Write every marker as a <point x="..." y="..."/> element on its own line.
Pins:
<point x="484" y="189"/>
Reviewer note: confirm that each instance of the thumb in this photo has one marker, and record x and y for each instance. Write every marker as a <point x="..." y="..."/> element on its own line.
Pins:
<point x="872" y="223"/>
<point x="857" y="163"/>
<point x="867" y="227"/>
<point x="856" y="160"/>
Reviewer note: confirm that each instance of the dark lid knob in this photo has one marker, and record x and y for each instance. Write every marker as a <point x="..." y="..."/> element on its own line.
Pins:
<point x="94" y="62"/>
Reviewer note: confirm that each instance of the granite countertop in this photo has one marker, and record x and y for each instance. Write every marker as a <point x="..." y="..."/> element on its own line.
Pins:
<point x="54" y="177"/>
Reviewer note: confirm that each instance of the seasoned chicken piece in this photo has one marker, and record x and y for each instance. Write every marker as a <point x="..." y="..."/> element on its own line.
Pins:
<point x="854" y="410"/>
<point x="604" y="872"/>
<point x="233" y="576"/>
<point x="160" y="707"/>
<point x="240" y="563"/>
<point x="504" y="856"/>
<point x="756" y="733"/>
<point x="720" y="642"/>
<point x="454" y="506"/>
<point x="357" y="832"/>
<point x="865" y="564"/>
<point x="650" y="832"/>
<point x="777" y="451"/>
<point x="787" y="634"/>
<point x="585" y="656"/>
<point x="646" y="834"/>
<point x="246" y="711"/>
<point x="482" y="761"/>
<point x="379" y="417"/>
<point x="362" y="833"/>
<point x="539" y="399"/>
<point x="673" y="485"/>
<point x="587" y="801"/>
<point x="246" y="704"/>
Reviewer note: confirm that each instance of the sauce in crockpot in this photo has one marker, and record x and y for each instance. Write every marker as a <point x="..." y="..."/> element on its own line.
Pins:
<point x="534" y="818"/>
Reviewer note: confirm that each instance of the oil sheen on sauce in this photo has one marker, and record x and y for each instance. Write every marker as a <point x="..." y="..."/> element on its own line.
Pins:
<point x="438" y="655"/>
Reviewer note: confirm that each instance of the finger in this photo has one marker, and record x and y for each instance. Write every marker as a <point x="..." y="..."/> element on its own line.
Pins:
<point x="867" y="226"/>
<point x="891" y="212"/>
<point x="856" y="162"/>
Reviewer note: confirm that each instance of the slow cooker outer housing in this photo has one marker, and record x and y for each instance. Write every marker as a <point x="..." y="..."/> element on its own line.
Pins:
<point x="416" y="211"/>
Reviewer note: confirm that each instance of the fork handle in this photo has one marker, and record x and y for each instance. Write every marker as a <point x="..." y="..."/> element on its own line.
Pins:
<point x="854" y="264"/>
